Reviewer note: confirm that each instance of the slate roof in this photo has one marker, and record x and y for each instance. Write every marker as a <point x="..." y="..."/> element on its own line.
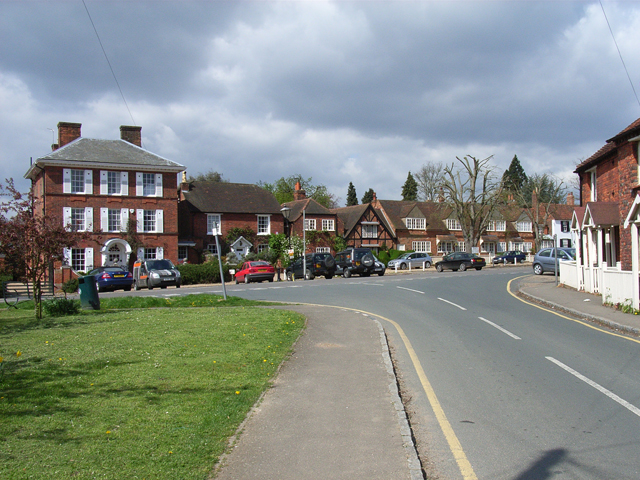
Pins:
<point x="309" y="205"/>
<point x="94" y="153"/>
<point x="223" y="197"/>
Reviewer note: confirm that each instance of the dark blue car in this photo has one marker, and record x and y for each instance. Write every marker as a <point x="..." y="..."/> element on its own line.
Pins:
<point x="112" y="278"/>
<point x="513" y="256"/>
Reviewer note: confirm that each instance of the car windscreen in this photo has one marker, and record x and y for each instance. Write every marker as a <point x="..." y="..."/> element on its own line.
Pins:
<point x="260" y="264"/>
<point x="159" y="265"/>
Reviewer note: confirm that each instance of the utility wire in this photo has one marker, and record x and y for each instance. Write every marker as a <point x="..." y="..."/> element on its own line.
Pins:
<point x="619" y="53"/>
<point x="108" y="62"/>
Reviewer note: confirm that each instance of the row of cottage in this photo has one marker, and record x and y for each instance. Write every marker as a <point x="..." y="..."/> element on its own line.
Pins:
<point x="116" y="188"/>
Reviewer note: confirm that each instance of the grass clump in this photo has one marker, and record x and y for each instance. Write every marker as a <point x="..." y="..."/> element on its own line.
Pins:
<point x="137" y="393"/>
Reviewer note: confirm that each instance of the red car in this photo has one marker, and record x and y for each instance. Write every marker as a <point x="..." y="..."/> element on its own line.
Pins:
<point x="255" y="271"/>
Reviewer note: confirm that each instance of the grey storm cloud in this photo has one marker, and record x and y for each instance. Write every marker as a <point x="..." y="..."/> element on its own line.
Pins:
<point x="338" y="91"/>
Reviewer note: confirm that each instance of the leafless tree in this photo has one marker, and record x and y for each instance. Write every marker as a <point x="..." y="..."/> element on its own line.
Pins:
<point x="472" y="190"/>
<point x="430" y="178"/>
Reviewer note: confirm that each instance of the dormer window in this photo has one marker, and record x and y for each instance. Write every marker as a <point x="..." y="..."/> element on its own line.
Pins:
<point x="415" y="223"/>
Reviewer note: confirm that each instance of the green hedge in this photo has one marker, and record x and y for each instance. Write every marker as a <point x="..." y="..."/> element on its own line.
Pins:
<point x="203" y="273"/>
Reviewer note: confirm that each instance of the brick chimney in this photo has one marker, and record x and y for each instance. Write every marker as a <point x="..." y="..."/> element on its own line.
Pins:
<point x="67" y="133"/>
<point x="571" y="199"/>
<point x="298" y="193"/>
<point x="184" y="185"/>
<point x="131" y="134"/>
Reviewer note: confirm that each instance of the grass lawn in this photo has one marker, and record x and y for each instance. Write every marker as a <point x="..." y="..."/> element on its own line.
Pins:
<point x="148" y="393"/>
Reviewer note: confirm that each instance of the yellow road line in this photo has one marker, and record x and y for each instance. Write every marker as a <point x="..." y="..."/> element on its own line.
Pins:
<point x="454" y="444"/>
<point x="581" y="322"/>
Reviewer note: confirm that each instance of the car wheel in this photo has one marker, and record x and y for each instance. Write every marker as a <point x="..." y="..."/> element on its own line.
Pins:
<point x="346" y="273"/>
<point x="329" y="262"/>
<point x="537" y="269"/>
<point x="309" y="276"/>
<point x="439" y="268"/>
<point x="463" y="267"/>
<point x="136" y="287"/>
<point x="127" y="289"/>
<point x="403" y="266"/>
<point x="246" y="279"/>
<point x="149" y="287"/>
<point x="236" y="280"/>
<point x="289" y="277"/>
<point x="365" y="274"/>
<point x="381" y="274"/>
<point x="478" y="268"/>
<point x="328" y="277"/>
<point x="271" y="279"/>
<point x="178" y="285"/>
<point x="427" y="264"/>
<point x="163" y="287"/>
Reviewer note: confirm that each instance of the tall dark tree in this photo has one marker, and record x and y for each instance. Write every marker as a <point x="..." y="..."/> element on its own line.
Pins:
<point x="410" y="189"/>
<point x="514" y="177"/>
<point x="352" y="198"/>
<point x="368" y="196"/>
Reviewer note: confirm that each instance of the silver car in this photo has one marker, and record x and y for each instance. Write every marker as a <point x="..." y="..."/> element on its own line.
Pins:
<point x="545" y="259"/>
<point x="411" y="260"/>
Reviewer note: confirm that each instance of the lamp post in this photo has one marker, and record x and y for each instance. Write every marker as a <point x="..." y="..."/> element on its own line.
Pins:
<point x="286" y="213"/>
<point x="304" y="243"/>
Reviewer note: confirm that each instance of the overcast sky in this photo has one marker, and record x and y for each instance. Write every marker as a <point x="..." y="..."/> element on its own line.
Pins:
<point x="359" y="91"/>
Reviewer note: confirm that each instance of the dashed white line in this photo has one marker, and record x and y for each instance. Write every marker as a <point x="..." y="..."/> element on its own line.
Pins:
<point x="503" y="330"/>
<point x="451" y="303"/>
<point x="411" y="290"/>
<point x="600" y="388"/>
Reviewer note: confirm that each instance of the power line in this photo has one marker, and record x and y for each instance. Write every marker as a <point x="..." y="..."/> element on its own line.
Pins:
<point x="619" y="53"/>
<point x="109" y="63"/>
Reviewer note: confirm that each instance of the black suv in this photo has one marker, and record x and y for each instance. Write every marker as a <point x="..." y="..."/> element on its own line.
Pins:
<point x="317" y="264"/>
<point x="355" y="260"/>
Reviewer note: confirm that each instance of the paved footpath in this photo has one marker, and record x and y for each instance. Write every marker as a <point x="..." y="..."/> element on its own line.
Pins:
<point x="333" y="411"/>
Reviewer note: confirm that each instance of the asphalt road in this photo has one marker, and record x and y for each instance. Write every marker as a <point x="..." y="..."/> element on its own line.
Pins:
<point x="497" y="389"/>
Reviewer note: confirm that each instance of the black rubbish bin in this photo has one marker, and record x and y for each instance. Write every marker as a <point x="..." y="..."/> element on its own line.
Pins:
<point x="89" y="298"/>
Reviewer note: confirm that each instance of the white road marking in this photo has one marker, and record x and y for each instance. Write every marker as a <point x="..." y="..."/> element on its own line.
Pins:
<point x="411" y="290"/>
<point x="451" y="303"/>
<point x="600" y="388"/>
<point x="503" y="330"/>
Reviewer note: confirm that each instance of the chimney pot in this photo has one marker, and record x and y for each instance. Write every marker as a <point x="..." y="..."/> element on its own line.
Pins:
<point x="131" y="134"/>
<point x="570" y="199"/>
<point x="298" y="193"/>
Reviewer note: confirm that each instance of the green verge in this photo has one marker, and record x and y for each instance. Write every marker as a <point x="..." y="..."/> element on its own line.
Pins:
<point x="150" y="393"/>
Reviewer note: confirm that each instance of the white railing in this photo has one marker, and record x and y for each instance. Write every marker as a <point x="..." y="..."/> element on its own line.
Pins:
<point x="617" y="285"/>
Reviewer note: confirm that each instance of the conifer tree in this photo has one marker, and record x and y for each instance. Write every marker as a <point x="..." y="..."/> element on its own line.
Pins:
<point x="514" y="177"/>
<point x="368" y="196"/>
<point x="410" y="189"/>
<point x="352" y="198"/>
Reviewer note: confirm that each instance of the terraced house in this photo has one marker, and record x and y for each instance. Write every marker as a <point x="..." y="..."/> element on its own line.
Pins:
<point x="99" y="186"/>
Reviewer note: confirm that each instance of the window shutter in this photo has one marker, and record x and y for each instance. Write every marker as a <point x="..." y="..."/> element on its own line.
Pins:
<point x="88" y="182"/>
<point x="104" y="219"/>
<point x="124" y="183"/>
<point x="88" y="259"/>
<point x="159" y="221"/>
<point x="88" y="219"/>
<point x="140" y="219"/>
<point x="66" y="180"/>
<point x="104" y="182"/>
<point x="124" y="219"/>
<point x="158" y="184"/>
<point x="139" y="186"/>
<point x="66" y="216"/>
<point x="159" y="253"/>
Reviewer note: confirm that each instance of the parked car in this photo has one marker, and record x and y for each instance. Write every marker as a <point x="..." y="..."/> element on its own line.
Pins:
<point x="545" y="259"/>
<point x="355" y="261"/>
<point x="155" y="273"/>
<point x="317" y="264"/>
<point x="513" y="256"/>
<point x="255" y="271"/>
<point x="410" y="260"/>
<point x="112" y="278"/>
<point x="379" y="267"/>
<point x="460" y="261"/>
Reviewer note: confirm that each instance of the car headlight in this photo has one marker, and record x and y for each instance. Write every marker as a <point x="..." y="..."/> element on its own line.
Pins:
<point x="177" y="273"/>
<point x="154" y="275"/>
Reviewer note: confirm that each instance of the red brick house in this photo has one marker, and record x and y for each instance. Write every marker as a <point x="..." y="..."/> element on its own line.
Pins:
<point x="99" y="185"/>
<point x="207" y="209"/>
<point x="365" y="226"/>
<point x="608" y="251"/>
<point x="306" y="216"/>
